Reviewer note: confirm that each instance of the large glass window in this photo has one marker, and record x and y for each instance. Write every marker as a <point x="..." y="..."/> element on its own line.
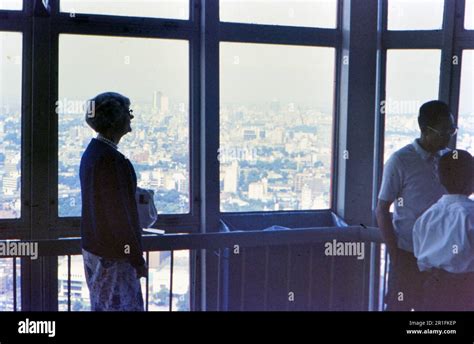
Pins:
<point x="154" y="74"/>
<point x="73" y="290"/>
<point x="412" y="79"/>
<point x="465" y="137"/>
<point x="172" y="9"/>
<point x="415" y="14"/>
<point x="10" y="124"/>
<point x="276" y="120"/>
<point x="159" y="275"/>
<point x="11" y="4"/>
<point x="72" y="284"/>
<point x="310" y="13"/>
<point x="469" y="15"/>
<point x="10" y="277"/>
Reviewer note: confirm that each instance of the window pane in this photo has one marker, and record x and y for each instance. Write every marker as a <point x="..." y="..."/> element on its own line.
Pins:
<point x="159" y="281"/>
<point x="10" y="124"/>
<point x="80" y="298"/>
<point x="7" y="286"/>
<point x="415" y="14"/>
<point x="173" y="9"/>
<point x="154" y="74"/>
<point x="465" y="137"/>
<point x="469" y="15"/>
<point x="311" y="13"/>
<point x="11" y="4"/>
<point x="181" y="279"/>
<point x="276" y="119"/>
<point x="159" y="284"/>
<point x="412" y="79"/>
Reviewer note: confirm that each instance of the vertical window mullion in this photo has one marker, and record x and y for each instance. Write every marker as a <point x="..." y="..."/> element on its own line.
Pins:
<point x="447" y="57"/>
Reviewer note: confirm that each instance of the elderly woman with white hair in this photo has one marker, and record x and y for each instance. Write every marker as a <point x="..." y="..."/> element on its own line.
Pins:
<point x="111" y="232"/>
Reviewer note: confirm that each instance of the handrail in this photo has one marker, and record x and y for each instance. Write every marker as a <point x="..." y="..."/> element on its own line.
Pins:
<point x="220" y="240"/>
<point x="172" y="242"/>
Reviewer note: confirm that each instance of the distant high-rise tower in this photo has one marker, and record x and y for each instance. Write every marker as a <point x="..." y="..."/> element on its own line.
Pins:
<point x="157" y="100"/>
<point x="160" y="102"/>
<point x="231" y="178"/>
<point x="275" y="105"/>
<point x="165" y="104"/>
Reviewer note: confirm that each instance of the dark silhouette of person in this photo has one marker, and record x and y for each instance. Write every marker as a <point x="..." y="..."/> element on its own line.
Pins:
<point x="111" y="234"/>
<point x="410" y="182"/>
<point x="443" y="238"/>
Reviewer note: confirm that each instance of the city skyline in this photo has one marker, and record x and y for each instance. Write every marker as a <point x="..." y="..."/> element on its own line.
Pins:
<point x="277" y="116"/>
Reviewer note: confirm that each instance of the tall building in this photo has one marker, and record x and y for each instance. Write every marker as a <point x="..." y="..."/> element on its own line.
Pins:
<point x="295" y="124"/>
<point x="156" y="100"/>
<point x="306" y="197"/>
<point x="10" y="184"/>
<point x="258" y="190"/>
<point x="160" y="102"/>
<point x="231" y="178"/>
<point x="275" y="106"/>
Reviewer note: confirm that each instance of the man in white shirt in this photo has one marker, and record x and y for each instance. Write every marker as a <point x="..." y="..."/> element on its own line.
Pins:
<point x="443" y="238"/>
<point x="410" y="182"/>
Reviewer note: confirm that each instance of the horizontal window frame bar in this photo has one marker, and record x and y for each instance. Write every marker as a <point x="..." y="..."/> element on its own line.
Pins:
<point x="277" y="34"/>
<point x="103" y="29"/>
<point x="171" y="223"/>
<point x="276" y="213"/>
<point x="464" y="41"/>
<point x="108" y="19"/>
<point x="13" y="223"/>
<point x="12" y="233"/>
<point x="13" y="14"/>
<point x="14" y="25"/>
<point x="413" y="39"/>
<point x="64" y="231"/>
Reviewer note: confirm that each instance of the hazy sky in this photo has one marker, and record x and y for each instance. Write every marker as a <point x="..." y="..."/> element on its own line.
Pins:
<point x="466" y="104"/>
<point x="312" y="13"/>
<point x="252" y="73"/>
<point x="10" y="4"/>
<point x="176" y="9"/>
<point x="415" y="14"/>
<point x="249" y="72"/>
<point x="10" y="68"/>
<point x="134" y="66"/>
<point x="319" y="13"/>
<point x="413" y="75"/>
<point x="469" y="13"/>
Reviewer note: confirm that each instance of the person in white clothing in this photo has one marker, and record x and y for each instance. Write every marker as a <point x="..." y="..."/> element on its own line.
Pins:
<point x="411" y="184"/>
<point x="443" y="238"/>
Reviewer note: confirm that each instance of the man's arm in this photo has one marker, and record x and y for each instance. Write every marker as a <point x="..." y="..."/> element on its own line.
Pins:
<point x="385" y="224"/>
<point x="390" y="190"/>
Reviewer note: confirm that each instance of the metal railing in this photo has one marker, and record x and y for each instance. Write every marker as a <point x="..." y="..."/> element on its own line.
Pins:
<point x="248" y="281"/>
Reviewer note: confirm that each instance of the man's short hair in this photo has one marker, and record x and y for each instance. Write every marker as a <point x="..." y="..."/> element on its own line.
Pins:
<point x="107" y="110"/>
<point x="456" y="171"/>
<point x="432" y="112"/>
